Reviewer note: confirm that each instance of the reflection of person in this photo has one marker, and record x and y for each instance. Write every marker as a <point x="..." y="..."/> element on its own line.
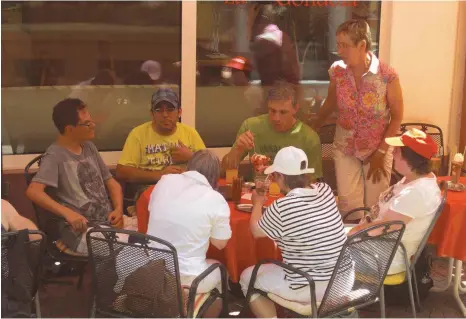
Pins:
<point x="267" y="134"/>
<point x="187" y="211"/>
<point x="274" y="52"/>
<point x="77" y="177"/>
<point x="413" y="200"/>
<point x="161" y="146"/>
<point x="153" y="69"/>
<point x="138" y="78"/>
<point x="99" y="99"/>
<point x="308" y="229"/>
<point x="237" y="71"/>
<point x="367" y="94"/>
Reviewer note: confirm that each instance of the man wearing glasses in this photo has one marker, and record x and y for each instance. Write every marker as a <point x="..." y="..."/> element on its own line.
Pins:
<point x="73" y="181"/>
<point x="161" y="146"/>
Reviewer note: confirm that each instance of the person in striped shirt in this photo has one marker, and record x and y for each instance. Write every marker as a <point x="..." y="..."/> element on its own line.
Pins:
<point x="307" y="227"/>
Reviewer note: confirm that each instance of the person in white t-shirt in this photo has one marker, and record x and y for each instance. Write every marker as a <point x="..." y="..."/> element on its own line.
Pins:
<point x="187" y="211"/>
<point x="413" y="200"/>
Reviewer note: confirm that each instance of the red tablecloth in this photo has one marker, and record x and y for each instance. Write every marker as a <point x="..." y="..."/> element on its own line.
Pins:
<point x="242" y="249"/>
<point x="449" y="233"/>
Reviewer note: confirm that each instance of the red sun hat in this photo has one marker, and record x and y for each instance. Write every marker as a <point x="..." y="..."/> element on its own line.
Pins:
<point x="417" y="140"/>
<point x="239" y="63"/>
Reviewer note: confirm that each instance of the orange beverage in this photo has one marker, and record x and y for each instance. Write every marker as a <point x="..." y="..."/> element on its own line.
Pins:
<point x="237" y="189"/>
<point x="274" y="189"/>
<point x="436" y="165"/>
<point x="230" y="175"/>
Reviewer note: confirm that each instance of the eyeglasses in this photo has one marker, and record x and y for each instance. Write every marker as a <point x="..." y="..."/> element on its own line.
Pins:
<point x="169" y="109"/>
<point x="87" y="123"/>
<point x="342" y="45"/>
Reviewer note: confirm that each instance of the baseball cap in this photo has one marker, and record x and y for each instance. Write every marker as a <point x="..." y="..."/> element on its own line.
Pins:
<point x="239" y="63"/>
<point x="165" y="95"/>
<point x="290" y="161"/>
<point x="153" y="68"/>
<point x="417" y="140"/>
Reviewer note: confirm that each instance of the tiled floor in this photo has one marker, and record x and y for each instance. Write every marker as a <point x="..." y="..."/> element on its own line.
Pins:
<point x="67" y="301"/>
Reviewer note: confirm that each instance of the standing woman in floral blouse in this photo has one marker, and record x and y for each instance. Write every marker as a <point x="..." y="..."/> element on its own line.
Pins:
<point x="367" y="95"/>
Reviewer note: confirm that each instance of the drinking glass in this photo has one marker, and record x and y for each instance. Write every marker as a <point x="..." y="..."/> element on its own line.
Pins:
<point x="262" y="184"/>
<point x="230" y="174"/>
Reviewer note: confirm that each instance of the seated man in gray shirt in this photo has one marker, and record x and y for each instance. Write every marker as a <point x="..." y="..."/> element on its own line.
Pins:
<point x="78" y="182"/>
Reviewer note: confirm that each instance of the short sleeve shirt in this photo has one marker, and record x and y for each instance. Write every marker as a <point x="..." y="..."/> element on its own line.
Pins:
<point x="77" y="181"/>
<point x="363" y="115"/>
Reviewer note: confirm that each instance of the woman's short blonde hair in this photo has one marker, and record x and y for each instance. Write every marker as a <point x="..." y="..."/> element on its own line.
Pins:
<point x="358" y="30"/>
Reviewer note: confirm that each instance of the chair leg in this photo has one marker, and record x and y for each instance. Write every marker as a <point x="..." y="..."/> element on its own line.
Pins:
<point x="81" y="275"/>
<point x="37" y="304"/>
<point x="416" y="292"/>
<point x="382" y="302"/>
<point x="224" y="294"/>
<point x="92" y="311"/>
<point x="411" y="296"/>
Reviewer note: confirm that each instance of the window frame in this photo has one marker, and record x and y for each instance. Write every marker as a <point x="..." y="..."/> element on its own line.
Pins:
<point x="16" y="163"/>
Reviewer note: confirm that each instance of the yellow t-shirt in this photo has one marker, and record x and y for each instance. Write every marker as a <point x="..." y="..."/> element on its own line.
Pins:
<point x="146" y="149"/>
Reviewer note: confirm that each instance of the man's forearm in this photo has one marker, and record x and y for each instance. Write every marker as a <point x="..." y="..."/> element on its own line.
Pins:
<point x="137" y="175"/>
<point x="116" y="194"/>
<point x="42" y="199"/>
<point x="232" y="159"/>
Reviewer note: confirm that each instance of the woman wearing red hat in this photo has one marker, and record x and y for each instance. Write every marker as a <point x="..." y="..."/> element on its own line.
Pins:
<point x="413" y="200"/>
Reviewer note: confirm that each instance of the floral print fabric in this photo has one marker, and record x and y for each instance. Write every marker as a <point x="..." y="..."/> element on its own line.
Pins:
<point x="363" y="115"/>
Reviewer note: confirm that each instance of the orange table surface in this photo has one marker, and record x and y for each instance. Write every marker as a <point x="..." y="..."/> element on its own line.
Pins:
<point x="449" y="233"/>
<point x="242" y="250"/>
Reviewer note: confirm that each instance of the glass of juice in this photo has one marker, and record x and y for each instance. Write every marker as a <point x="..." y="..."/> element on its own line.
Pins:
<point x="274" y="189"/>
<point x="230" y="174"/>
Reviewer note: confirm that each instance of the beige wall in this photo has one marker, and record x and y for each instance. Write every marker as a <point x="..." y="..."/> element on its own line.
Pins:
<point x="423" y="42"/>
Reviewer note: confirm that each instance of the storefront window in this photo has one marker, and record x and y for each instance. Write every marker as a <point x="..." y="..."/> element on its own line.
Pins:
<point x="304" y="35"/>
<point x="109" y="54"/>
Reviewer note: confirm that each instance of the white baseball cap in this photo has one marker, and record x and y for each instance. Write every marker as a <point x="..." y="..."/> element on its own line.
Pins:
<point x="290" y="161"/>
<point x="153" y="68"/>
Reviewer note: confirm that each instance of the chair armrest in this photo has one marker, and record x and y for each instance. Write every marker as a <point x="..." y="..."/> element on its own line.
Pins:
<point x="290" y="268"/>
<point x="356" y="210"/>
<point x="198" y="280"/>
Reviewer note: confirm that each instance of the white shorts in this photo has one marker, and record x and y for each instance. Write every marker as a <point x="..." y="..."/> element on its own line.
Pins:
<point x="213" y="280"/>
<point x="129" y="223"/>
<point x="271" y="278"/>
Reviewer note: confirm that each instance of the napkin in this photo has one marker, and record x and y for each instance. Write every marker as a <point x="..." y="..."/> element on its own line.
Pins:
<point x="247" y="196"/>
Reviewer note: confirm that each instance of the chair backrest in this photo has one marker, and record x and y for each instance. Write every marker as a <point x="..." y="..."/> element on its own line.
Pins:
<point x="13" y="270"/>
<point x="361" y="268"/>
<point x="326" y="136"/>
<point x="431" y="226"/>
<point x="115" y="264"/>
<point x="28" y="175"/>
<point x="433" y="130"/>
<point x="43" y="216"/>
